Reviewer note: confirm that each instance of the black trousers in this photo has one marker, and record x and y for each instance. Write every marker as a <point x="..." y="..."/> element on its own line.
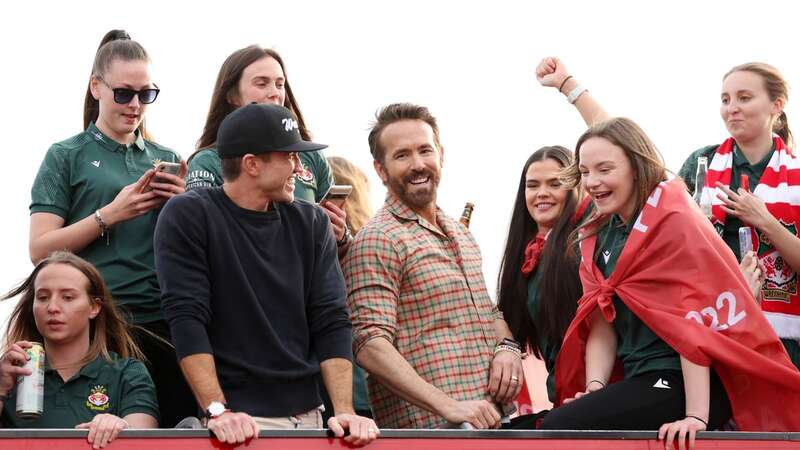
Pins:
<point x="175" y="398"/>
<point x="644" y="402"/>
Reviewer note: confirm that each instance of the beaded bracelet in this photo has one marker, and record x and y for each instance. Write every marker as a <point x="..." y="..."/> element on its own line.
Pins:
<point x="103" y="226"/>
<point x="507" y="348"/>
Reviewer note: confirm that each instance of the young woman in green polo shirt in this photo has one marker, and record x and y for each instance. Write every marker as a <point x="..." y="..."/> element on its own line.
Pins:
<point x="97" y="194"/>
<point x="538" y="305"/>
<point x="257" y="74"/>
<point x="752" y="106"/>
<point x="91" y="379"/>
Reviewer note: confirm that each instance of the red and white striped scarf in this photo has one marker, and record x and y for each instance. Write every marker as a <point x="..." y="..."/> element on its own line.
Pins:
<point x="779" y="188"/>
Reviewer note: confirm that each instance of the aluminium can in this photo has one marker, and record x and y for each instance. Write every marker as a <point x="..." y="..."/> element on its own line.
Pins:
<point x="30" y="389"/>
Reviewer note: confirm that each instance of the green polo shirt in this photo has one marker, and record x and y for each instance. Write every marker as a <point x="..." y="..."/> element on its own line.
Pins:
<point x="86" y="172"/>
<point x="741" y="166"/>
<point x="119" y="387"/>
<point x="205" y="170"/>
<point x="549" y="350"/>
<point x="639" y="349"/>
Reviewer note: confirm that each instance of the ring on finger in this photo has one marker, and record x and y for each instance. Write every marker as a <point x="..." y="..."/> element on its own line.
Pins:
<point x="514" y="379"/>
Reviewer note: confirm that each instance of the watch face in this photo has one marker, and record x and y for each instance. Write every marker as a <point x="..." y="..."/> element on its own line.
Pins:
<point x="215" y="409"/>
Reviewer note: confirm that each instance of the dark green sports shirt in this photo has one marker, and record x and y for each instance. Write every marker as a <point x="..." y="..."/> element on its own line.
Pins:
<point x="119" y="387"/>
<point x="86" y="172"/>
<point x="639" y="349"/>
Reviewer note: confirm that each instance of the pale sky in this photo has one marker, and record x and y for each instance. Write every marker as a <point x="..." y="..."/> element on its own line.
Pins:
<point x="471" y="63"/>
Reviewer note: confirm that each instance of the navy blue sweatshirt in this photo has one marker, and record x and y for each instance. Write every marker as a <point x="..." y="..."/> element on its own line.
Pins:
<point x="261" y="291"/>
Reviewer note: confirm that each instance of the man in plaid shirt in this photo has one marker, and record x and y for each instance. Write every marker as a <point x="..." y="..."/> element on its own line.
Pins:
<point x="424" y="326"/>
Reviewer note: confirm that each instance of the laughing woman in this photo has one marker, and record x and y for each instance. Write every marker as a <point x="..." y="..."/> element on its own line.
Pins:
<point x="646" y="293"/>
<point x="97" y="195"/>
<point x="759" y="150"/>
<point x="90" y="378"/>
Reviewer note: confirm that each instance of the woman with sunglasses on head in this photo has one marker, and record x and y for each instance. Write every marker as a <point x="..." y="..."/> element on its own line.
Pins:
<point x="648" y="304"/>
<point x="97" y="194"/>
<point x="91" y="380"/>
<point x="257" y="75"/>
<point x="753" y="180"/>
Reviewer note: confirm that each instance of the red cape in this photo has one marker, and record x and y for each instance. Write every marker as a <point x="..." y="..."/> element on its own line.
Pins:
<point x="674" y="273"/>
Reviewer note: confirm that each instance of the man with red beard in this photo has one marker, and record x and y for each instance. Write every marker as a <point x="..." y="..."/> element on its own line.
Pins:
<point x="437" y="349"/>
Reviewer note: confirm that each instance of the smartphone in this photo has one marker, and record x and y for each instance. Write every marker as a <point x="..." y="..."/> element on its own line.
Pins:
<point x="168" y="167"/>
<point x="745" y="241"/>
<point x="165" y="167"/>
<point x="338" y="194"/>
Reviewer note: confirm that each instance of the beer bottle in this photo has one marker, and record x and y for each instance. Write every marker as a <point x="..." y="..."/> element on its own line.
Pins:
<point x="704" y="201"/>
<point x="466" y="215"/>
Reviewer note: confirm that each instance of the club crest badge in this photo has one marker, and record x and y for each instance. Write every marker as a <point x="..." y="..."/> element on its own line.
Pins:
<point x="305" y="175"/>
<point x="780" y="282"/>
<point x="98" y="399"/>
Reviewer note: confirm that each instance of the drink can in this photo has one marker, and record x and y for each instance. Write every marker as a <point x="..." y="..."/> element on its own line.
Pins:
<point x="30" y="389"/>
<point x="745" y="241"/>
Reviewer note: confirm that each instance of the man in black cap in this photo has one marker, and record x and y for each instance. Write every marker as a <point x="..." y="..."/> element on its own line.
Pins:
<point x="252" y="290"/>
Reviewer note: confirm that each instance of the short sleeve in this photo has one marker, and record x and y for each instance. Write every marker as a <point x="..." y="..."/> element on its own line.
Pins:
<point x="372" y="270"/>
<point x="51" y="191"/>
<point x="205" y="170"/>
<point x="324" y="176"/>
<point x="138" y="392"/>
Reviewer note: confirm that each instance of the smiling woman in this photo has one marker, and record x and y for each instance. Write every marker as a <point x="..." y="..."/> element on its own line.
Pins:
<point x="66" y="305"/>
<point x="538" y="283"/>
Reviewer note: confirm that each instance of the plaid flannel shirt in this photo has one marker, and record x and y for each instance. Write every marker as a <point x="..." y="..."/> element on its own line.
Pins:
<point x="423" y="291"/>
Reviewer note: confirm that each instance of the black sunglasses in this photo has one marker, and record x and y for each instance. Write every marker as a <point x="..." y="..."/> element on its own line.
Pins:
<point x="123" y="96"/>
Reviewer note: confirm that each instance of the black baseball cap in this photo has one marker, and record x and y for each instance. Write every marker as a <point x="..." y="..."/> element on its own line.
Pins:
<point x="260" y="128"/>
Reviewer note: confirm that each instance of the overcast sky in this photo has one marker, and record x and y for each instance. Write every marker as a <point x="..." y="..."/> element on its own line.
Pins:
<point x="471" y="63"/>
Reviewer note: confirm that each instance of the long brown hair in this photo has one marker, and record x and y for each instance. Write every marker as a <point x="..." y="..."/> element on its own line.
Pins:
<point x="227" y="86"/>
<point x="357" y="205"/>
<point x="116" y="44"/>
<point x="108" y="331"/>
<point x="645" y="159"/>
<point x="777" y="88"/>
<point x="560" y="288"/>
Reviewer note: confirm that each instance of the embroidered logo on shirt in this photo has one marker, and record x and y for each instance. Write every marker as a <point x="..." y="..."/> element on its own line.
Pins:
<point x="98" y="136"/>
<point x="96" y="163"/>
<point x="98" y="399"/>
<point x="606" y="255"/>
<point x="306" y="175"/>
<point x="662" y="384"/>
